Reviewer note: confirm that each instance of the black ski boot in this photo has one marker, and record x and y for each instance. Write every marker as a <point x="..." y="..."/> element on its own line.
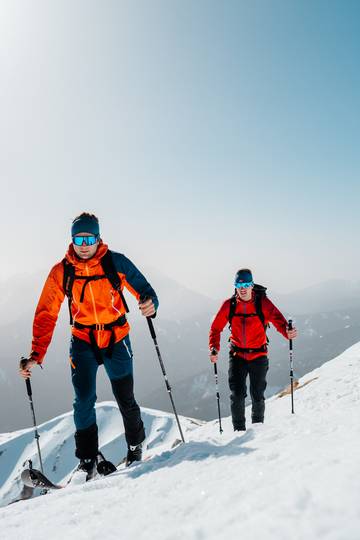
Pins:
<point x="87" y="448"/>
<point x="104" y="467"/>
<point x="134" y="454"/>
<point x="89" y="467"/>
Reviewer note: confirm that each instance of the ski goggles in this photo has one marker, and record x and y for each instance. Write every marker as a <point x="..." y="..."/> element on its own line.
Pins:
<point x="89" y="240"/>
<point x="244" y="285"/>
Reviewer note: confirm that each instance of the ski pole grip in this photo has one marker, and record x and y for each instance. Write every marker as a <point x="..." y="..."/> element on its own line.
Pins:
<point x="151" y="328"/>
<point x="290" y="326"/>
<point x="28" y="387"/>
<point x="215" y="368"/>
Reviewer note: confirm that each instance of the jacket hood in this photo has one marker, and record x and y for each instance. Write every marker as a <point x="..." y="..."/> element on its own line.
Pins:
<point x="81" y="263"/>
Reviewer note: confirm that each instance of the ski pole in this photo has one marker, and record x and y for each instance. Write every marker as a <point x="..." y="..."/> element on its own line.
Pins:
<point x="217" y="396"/>
<point x="37" y="436"/>
<point x="291" y="368"/>
<point x="168" y="387"/>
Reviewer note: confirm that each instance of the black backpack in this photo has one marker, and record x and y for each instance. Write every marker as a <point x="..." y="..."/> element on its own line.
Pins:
<point x="260" y="293"/>
<point x="110" y="273"/>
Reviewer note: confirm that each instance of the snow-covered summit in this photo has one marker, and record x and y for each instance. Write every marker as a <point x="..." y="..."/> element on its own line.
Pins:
<point x="294" y="477"/>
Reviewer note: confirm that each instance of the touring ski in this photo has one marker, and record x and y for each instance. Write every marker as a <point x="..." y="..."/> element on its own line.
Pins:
<point x="34" y="478"/>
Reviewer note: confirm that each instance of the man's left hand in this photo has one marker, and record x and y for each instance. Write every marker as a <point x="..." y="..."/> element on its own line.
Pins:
<point x="147" y="308"/>
<point x="291" y="334"/>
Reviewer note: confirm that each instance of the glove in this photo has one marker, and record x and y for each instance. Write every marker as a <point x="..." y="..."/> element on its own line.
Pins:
<point x="26" y="364"/>
<point x="214" y="355"/>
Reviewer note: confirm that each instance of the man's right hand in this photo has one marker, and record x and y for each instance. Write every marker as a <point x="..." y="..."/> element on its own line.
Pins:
<point x="25" y="367"/>
<point x="214" y="356"/>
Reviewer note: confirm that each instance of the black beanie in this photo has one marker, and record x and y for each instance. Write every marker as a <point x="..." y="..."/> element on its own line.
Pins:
<point x="243" y="276"/>
<point x="85" y="223"/>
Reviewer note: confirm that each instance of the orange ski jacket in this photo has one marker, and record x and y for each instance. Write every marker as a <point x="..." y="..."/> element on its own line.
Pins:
<point x="101" y="304"/>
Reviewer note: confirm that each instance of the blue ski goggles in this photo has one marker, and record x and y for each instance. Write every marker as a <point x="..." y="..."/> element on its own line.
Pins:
<point x="88" y="240"/>
<point x="244" y="285"/>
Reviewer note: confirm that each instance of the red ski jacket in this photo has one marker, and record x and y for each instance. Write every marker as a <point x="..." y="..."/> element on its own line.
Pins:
<point x="246" y="332"/>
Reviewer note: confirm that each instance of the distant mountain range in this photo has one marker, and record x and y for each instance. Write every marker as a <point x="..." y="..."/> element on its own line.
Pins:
<point x="332" y="295"/>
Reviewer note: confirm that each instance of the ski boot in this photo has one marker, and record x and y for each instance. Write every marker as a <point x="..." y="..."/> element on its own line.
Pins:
<point x="104" y="467"/>
<point x="88" y="466"/>
<point x="134" y="454"/>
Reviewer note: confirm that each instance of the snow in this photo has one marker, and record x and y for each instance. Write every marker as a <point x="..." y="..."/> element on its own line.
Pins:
<point x="57" y="445"/>
<point x="294" y="477"/>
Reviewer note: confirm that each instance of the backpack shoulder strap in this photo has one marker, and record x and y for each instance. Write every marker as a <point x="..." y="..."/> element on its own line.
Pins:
<point x="68" y="282"/>
<point x="232" y="309"/>
<point x="260" y="293"/>
<point x="108" y="266"/>
<point x="111" y="274"/>
<point x="68" y="278"/>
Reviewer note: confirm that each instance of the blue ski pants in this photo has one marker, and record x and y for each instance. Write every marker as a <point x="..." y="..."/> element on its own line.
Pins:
<point x="119" y="369"/>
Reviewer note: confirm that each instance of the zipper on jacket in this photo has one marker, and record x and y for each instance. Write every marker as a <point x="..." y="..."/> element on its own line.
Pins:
<point x="93" y="303"/>
<point x="244" y="329"/>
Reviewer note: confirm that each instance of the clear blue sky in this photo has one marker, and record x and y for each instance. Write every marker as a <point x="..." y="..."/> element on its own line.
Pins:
<point x="205" y="135"/>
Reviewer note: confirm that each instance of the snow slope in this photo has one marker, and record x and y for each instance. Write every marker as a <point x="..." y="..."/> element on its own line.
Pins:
<point x="58" y="447"/>
<point x="295" y="477"/>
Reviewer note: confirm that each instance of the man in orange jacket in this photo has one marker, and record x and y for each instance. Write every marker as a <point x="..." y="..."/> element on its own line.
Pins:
<point x="93" y="278"/>
<point x="248" y="312"/>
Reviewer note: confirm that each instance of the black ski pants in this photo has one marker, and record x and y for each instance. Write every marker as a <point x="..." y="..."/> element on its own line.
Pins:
<point x="239" y="369"/>
<point x="119" y="369"/>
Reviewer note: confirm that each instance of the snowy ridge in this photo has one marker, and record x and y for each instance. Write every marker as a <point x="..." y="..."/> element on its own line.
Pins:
<point x="57" y="445"/>
<point x="294" y="477"/>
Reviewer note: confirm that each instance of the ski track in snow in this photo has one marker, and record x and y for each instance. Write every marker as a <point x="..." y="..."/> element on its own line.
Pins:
<point x="295" y="477"/>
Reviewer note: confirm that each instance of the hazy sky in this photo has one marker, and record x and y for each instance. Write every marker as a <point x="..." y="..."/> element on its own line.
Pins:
<point x="205" y="135"/>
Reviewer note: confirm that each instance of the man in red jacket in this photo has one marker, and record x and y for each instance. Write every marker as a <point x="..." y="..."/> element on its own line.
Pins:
<point x="248" y="313"/>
